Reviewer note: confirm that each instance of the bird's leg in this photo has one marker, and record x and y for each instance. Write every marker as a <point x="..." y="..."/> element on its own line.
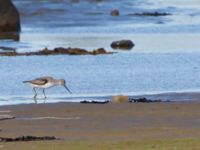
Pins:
<point x="44" y="93"/>
<point x="35" y="96"/>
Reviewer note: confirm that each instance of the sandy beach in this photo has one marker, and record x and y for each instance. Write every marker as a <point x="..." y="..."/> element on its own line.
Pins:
<point x="142" y="54"/>
<point x="103" y="123"/>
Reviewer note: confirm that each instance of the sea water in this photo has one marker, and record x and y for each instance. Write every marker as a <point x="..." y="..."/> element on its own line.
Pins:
<point x="164" y="62"/>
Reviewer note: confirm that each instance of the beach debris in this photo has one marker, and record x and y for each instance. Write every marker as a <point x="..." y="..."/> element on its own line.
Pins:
<point x="143" y="100"/>
<point x="10" y="19"/>
<point x="58" y="51"/>
<point x="150" y="14"/>
<point x="28" y="138"/>
<point x="48" y="118"/>
<point x="6" y="117"/>
<point x="94" y="102"/>
<point x="122" y="44"/>
<point x="115" y="12"/>
<point x="120" y="99"/>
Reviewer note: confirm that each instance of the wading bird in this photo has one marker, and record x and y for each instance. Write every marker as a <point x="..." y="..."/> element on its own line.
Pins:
<point x="44" y="83"/>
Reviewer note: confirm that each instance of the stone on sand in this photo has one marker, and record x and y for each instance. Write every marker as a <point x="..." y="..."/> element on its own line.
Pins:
<point x="120" y="99"/>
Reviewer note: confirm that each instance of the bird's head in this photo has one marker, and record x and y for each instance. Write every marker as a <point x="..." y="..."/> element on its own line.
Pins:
<point x="63" y="83"/>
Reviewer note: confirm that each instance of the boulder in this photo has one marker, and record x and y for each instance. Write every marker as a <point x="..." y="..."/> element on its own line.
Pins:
<point x="10" y="20"/>
<point x="122" y="44"/>
<point x="120" y="99"/>
<point x="115" y="12"/>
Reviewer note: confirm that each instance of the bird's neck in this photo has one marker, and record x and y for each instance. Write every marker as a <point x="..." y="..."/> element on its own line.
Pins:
<point x="57" y="82"/>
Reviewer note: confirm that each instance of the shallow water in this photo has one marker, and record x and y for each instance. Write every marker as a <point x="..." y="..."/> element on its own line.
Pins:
<point x="165" y="58"/>
<point x="97" y="76"/>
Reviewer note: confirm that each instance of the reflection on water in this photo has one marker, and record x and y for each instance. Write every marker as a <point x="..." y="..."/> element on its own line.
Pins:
<point x="9" y="36"/>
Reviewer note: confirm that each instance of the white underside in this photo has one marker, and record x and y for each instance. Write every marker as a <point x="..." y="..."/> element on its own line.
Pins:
<point x="45" y="86"/>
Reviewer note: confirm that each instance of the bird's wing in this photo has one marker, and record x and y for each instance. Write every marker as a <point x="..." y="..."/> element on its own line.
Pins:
<point x="38" y="81"/>
<point x="44" y="78"/>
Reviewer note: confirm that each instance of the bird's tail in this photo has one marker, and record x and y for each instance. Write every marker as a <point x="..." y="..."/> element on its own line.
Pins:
<point x="26" y="81"/>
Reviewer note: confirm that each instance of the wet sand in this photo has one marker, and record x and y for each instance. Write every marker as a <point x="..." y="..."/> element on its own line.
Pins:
<point x="104" y="122"/>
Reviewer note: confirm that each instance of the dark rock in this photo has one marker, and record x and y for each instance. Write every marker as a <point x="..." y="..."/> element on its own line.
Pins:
<point x="27" y="138"/>
<point x="58" y="51"/>
<point x="143" y="100"/>
<point x="153" y="14"/>
<point x="93" y="102"/>
<point x="77" y="51"/>
<point x="99" y="51"/>
<point x="115" y="12"/>
<point x="8" y="53"/>
<point x="10" y="20"/>
<point x="123" y="44"/>
<point x="9" y="36"/>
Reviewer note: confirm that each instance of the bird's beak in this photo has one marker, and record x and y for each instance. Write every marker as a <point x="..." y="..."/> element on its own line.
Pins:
<point x="67" y="89"/>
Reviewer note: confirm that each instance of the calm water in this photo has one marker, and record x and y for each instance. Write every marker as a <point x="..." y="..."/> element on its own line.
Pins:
<point x="165" y="59"/>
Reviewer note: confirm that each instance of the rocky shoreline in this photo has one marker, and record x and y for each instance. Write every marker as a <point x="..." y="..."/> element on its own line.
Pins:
<point x="58" y="51"/>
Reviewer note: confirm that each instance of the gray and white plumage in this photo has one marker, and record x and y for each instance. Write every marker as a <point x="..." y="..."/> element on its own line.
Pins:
<point x="44" y="83"/>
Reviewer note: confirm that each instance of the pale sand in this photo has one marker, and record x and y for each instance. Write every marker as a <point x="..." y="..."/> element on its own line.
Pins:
<point x="104" y="122"/>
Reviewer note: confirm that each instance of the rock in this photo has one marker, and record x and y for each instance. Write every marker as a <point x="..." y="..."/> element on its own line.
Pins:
<point x="71" y="51"/>
<point x="9" y="36"/>
<point x="153" y="14"/>
<point x="58" y="51"/>
<point x="120" y="99"/>
<point x="10" y="19"/>
<point x="115" y="12"/>
<point x="143" y="100"/>
<point x="99" y="51"/>
<point x="122" y="44"/>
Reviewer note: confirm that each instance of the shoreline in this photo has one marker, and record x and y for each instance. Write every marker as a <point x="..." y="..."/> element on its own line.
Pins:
<point x="162" y="124"/>
<point x="181" y="96"/>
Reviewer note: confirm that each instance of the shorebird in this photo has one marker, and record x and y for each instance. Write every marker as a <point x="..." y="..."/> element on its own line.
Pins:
<point x="44" y="83"/>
